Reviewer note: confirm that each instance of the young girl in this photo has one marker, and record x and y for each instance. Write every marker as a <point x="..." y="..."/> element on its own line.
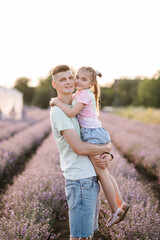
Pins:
<point x="85" y="107"/>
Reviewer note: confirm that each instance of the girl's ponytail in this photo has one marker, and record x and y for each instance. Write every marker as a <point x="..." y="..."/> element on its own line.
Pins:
<point x="96" y="88"/>
<point x="98" y="74"/>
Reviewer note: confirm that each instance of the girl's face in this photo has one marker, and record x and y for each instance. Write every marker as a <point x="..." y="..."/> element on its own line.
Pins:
<point x="83" y="80"/>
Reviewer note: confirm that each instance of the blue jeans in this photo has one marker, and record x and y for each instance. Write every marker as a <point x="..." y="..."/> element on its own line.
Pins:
<point x="84" y="203"/>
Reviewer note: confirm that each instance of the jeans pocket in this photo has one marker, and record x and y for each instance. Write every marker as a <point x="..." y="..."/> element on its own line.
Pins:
<point x="70" y="194"/>
<point x="89" y="184"/>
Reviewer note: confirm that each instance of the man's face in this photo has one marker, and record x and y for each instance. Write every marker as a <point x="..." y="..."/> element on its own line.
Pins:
<point x="64" y="82"/>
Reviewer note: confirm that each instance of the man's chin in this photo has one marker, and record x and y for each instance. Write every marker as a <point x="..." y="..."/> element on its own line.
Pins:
<point x="70" y="90"/>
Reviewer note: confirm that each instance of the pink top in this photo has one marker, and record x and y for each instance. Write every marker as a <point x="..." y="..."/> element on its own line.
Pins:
<point x="87" y="117"/>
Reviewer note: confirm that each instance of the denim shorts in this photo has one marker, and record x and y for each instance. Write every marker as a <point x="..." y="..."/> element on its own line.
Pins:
<point x="97" y="136"/>
<point x="84" y="203"/>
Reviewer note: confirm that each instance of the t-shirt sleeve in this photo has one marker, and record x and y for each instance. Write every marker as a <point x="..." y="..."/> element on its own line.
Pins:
<point x="61" y="121"/>
<point x="84" y="97"/>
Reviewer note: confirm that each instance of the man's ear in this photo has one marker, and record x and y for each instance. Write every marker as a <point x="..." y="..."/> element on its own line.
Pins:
<point x="53" y="84"/>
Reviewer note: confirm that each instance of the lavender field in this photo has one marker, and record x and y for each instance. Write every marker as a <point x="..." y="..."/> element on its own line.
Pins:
<point x="16" y="147"/>
<point x="140" y="142"/>
<point x="31" y="116"/>
<point x="34" y="206"/>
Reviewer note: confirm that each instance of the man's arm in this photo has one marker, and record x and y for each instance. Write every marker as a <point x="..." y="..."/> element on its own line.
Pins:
<point x="80" y="147"/>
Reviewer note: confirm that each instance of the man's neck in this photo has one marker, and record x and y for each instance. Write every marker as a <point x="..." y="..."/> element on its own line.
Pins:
<point x="65" y="98"/>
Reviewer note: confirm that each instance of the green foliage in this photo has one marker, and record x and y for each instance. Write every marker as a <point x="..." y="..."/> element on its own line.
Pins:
<point x="149" y="93"/>
<point x="135" y="92"/>
<point x="125" y="92"/>
<point x="107" y="96"/>
<point x="41" y="98"/>
<point x="28" y="92"/>
<point x="44" y="92"/>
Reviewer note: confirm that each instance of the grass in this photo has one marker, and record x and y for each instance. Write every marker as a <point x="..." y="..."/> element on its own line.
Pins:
<point x="147" y="115"/>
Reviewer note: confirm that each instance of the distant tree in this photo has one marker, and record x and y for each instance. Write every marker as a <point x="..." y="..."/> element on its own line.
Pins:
<point x="28" y="92"/>
<point x="107" y="96"/>
<point x="41" y="98"/>
<point x="125" y="92"/>
<point x="44" y="92"/>
<point x="149" y="92"/>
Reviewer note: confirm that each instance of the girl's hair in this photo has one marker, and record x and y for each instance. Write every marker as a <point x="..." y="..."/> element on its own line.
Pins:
<point x="95" y="88"/>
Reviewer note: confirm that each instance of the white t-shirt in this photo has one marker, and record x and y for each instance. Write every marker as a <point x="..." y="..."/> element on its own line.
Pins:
<point x="74" y="167"/>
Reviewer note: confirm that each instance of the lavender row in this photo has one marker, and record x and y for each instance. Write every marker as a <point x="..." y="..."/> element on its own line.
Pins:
<point x="31" y="115"/>
<point x="16" y="148"/>
<point x="4" y="123"/>
<point x="143" y="219"/>
<point x="36" y="200"/>
<point x="16" y="127"/>
<point x="148" y="131"/>
<point x="140" y="142"/>
<point x="11" y="129"/>
<point x="34" y="114"/>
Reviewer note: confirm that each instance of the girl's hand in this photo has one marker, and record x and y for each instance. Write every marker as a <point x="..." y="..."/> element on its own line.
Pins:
<point x="53" y="101"/>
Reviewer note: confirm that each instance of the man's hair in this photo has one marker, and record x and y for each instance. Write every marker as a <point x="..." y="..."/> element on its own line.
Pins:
<point x="59" y="68"/>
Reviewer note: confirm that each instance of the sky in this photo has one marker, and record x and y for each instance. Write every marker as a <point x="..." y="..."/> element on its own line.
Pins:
<point x="119" y="38"/>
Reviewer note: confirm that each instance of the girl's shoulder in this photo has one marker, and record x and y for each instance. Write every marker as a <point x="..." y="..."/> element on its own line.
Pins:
<point x="85" y="92"/>
<point x="83" y="96"/>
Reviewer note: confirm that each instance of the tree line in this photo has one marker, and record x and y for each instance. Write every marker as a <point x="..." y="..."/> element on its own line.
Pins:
<point x="38" y="96"/>
<point x="123" y="92"/>
<point x="136" y="92"/>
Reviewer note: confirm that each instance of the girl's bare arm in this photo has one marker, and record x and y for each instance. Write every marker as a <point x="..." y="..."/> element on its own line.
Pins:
<point x="70" y="112"/>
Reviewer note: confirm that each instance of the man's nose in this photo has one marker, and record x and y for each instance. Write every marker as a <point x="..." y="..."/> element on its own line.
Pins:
<point x="69" y="81"/>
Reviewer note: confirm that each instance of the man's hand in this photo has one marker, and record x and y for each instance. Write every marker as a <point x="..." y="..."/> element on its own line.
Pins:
<point x="53" y="101"/>
<point x="103" y="160"/>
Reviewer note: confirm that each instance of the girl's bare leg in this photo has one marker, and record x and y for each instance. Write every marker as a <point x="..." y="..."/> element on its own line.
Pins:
<point x="116" y="189"/>
<point x="106" y="184"/>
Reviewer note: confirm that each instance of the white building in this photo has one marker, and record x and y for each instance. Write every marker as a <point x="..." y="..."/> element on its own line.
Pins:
<point x="11" y="103"/>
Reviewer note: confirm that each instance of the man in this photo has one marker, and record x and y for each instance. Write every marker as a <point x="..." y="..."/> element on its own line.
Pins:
<point x="81" y="184"/>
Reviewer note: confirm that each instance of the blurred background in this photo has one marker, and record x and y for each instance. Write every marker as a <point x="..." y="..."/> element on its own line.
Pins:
<point x="118" y="38"/>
